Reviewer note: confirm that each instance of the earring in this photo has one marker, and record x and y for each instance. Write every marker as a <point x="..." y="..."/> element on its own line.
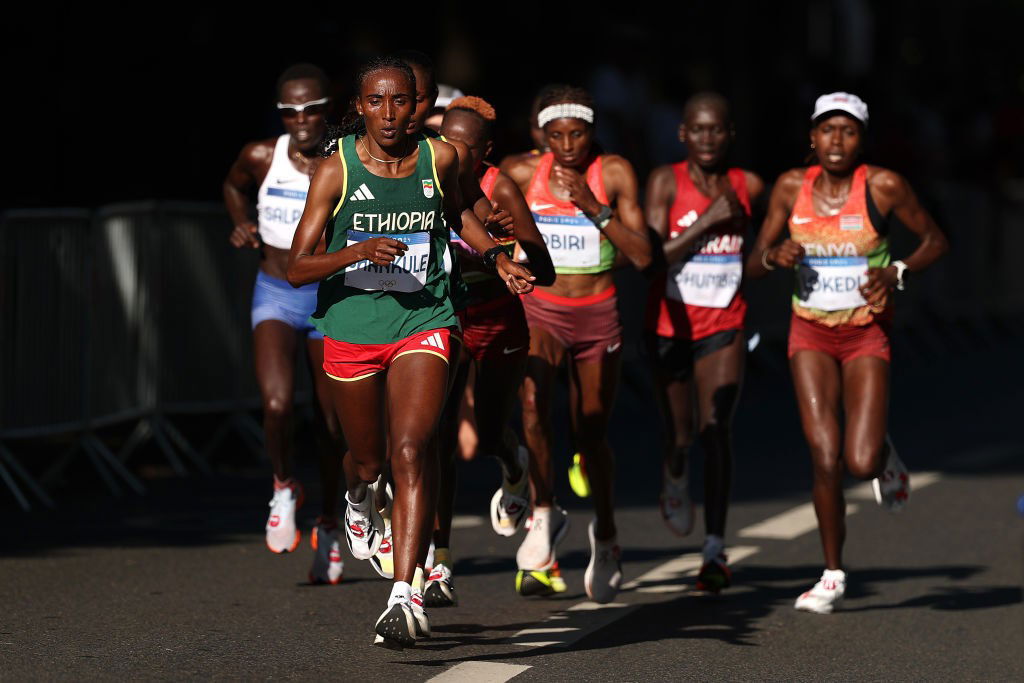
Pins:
<point x="812" y="145"/>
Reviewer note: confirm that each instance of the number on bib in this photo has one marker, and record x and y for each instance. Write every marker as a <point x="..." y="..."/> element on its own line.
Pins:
<point x="407" y="273"/>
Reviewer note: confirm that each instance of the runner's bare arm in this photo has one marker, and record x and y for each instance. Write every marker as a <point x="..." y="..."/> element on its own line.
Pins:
<point x="467" y="226"/>
<point x="508" y="196"/>
<point x="306" y="266"/>
<point x="788" y="253"/>
<point x="248" y="170"/>
<point x="893" y="193"/>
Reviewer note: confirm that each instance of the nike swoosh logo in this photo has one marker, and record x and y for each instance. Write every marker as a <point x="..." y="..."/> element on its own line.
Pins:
<point x="509" y="351"/>
<point x="800" y="221"/>
<point x="612" y="348"/>
<point x="541" y="207"/>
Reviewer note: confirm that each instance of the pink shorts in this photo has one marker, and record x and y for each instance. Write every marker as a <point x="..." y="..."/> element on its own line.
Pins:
<point x="587" y="326"/>
<point x="844" y="342"/>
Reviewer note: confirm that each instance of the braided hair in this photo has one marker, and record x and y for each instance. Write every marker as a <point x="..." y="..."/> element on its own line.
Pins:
<point x="352" y="123"/>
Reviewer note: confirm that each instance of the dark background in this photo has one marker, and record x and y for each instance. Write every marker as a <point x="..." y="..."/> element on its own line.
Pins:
<point x="155" y="103"/>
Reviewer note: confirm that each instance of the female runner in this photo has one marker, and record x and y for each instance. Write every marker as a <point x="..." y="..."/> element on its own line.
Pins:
<point x="281" y="169"/>
<point x="496" y="341"/>
<point x="384" y="306"/>
<point x="701" y="210"/>
<point x="837" y="214"/>
<point x="585" y="205"/>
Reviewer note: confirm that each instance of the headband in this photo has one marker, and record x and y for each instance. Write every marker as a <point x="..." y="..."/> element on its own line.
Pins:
<point x="564" y="111"/>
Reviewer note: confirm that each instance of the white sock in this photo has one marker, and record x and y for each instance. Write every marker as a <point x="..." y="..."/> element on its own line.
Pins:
<point x="713" y="547"/>
<point x="400" y="592"/>
<point x="834" y="575"/>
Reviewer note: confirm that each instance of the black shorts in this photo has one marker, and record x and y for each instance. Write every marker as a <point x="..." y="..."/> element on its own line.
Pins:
<point x="674" y="358"/>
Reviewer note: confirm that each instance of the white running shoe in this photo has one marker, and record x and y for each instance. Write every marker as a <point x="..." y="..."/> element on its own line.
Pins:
<point x="396" y="626"/>
<point x="440" y="590"/>
<point x="364" y="527"/>
<point x="604" y="573"/>
<point x="509" y="503"/>
<point x="826" y="595"/>
<point x="892" y="488"/>
<point x="546" y="527"/>
<point x="420" y="616"/>
<point x="676" y="507"/>
<point x="282" y="534"/>
<point x="383" y="561"/>
<point x="327" y="563"/>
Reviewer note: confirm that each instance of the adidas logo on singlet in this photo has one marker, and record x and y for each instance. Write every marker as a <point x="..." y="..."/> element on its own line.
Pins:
<point x="362" y="192"/>
<point x="433" y="340"/>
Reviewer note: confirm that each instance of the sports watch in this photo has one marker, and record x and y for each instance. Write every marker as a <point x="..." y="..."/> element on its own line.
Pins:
<point x="901" y="267"/>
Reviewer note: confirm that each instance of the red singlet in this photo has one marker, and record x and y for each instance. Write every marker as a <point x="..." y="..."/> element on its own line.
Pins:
<point x="701" y="295"/>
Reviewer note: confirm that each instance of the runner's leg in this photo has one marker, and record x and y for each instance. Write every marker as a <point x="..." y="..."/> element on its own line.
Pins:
<point x="816" y="377"/>
<point x="866" y="402"/>
<point x="546" y="354"/>
<point x="331" y="443"/>
<point x="274" y="344"/>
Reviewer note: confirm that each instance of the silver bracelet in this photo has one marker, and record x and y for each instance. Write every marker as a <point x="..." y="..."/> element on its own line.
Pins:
<point x="764" y="260"/>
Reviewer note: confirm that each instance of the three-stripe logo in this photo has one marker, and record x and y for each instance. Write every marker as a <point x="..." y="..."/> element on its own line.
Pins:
<point x="433" y="340"/>
<point x="362" y="192"/>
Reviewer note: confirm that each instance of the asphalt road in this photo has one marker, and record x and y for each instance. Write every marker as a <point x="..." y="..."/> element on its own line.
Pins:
<point x="178" y="584"/>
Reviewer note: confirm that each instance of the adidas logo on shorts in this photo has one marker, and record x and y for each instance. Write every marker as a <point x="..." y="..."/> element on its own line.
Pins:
<point x="433" y="340"/>
<point x="361" y="193"/>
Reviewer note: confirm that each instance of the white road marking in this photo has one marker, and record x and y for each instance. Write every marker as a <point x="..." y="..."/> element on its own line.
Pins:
<point x="573" y="624"/>
<point x="466" y="521"/>
<point x="789" y="524"/>
<point x="480" y="672"/>
<point x="665" y="578"/>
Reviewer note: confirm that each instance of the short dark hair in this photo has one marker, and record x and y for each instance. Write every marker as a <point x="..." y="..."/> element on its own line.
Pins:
<point x="709" y="99"/>
<point x="304" y="70"/>
<point x="562" y="94"/>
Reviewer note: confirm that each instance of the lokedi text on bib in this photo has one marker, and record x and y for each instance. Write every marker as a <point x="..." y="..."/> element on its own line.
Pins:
<point x="407" y="273"/>
<point x="709" y="280"/>
<point x="572" y="241"/>
<point x="836" y="282"/>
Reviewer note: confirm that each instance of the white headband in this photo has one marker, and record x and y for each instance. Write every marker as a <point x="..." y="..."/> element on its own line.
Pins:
<point x="564" y="111"/>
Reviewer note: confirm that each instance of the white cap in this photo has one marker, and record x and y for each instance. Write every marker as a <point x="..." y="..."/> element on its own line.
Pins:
<point x="841" y="101"/>
<point x="447" y="93"/>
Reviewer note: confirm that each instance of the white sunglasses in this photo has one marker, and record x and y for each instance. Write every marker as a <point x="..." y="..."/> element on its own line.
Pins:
<point x="296" y="109"/>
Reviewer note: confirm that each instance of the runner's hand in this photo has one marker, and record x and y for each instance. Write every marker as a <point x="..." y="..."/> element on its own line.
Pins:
<point x="244" y="235"/>
<point x="499" y="222"/>
<point x="725" y="208"/>
<point x="880" y="282"/>
<point x="518" y="279"/>
<point x="380" y="250"/>
<point x="576" y="186"/>
<point x="786" y="255"/>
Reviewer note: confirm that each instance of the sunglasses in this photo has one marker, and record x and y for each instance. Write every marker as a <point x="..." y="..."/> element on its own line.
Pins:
<point x="312" y="108"/>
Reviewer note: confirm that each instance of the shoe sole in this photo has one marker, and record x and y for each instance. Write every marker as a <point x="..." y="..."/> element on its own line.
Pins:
<point x="396" y="627"/>
<point x="824" y="610"/>
<point x="588" y="575"/>
<point x="675" y="532"/>
<point x="538" y="583"/>
<point x="436" y="595"/>
<point x="289" y="549"/>
<point x="578" y="480"/>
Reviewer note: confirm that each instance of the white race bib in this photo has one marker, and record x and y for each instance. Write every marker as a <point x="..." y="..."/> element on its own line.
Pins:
<point x="407" y="273"/>
<point x="572" y="241"/>
<point x="838" y="282"/>
<point x="709" y="280"/>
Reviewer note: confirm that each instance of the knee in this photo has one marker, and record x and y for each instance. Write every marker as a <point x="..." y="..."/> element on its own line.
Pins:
<point x="408" y="457"/>
<point x="368" y="470"/>
<point x="715" y="428"/>
<point x="864" y="462"/>
<point x="277" y="407"/>
<point x="827" y="466"/>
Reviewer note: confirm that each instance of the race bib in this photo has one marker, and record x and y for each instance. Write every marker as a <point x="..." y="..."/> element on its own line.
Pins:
<point x="709" y="280"/>
<point x="833" y="283"/>
<point x="407" y="273"/>
<point x="572" y="241"/>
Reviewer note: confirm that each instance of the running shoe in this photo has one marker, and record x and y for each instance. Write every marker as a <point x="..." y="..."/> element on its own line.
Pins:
<point x="826" y="595"/>
<point x="396" y="626"/>
<point x="383" y="561"/>
<point x="892" y="488"/>
<point x="546" y="527"/>
<point x="714" y="574"/>
<point x="282" y="534"/>
<point x="419" y="615"/>
<point x="440" y="589"/>
<point x="364" y="529"/>
<point x="676" y="507"/>
<point x="604" y="573"/>
<point x="509" y="503"/>
<point x="578" y="477"/>
<point x="327" y="563"/>
<point x="540" y="582"/>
